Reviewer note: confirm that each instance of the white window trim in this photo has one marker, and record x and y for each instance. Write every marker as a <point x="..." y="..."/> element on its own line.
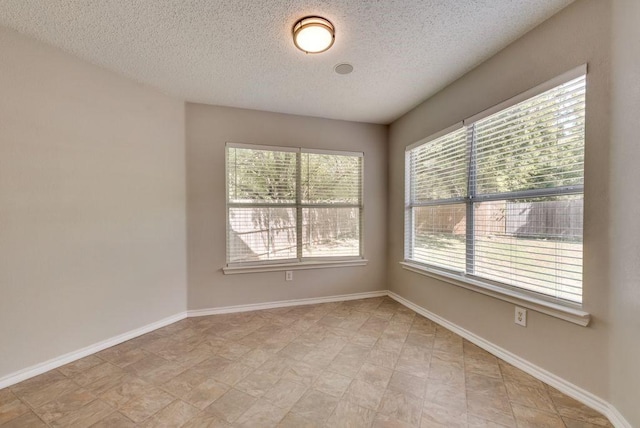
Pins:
<point x="276" y="267"/>
<point x="304" y="262"/>
<point x="565" y="310"/>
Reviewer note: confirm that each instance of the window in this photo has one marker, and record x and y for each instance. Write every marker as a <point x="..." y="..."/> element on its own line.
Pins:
<point x="499" y="198"/>
<point x="289" y="205"/>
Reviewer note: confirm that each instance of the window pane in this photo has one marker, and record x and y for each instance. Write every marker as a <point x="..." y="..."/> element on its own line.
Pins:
<point x="330" y="179"/>
<point x="332" y="232"/>
<point x="536" y="144"/>
<point x="535" y="244"/>
<point x="439" y="236"/>
<point x="439" y="168"/>
<point x="261" y="234"/>
<point x="261" y="176"/>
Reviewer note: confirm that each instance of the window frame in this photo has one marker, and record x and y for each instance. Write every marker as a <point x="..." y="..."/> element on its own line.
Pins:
<point x="564" y="309"/>
<point x="299" y="262"/>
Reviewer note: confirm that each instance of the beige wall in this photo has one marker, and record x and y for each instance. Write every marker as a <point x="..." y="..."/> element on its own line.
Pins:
<point x="92" y="196"/>
<point x="625" y="206"/>
<point x="208" y="129"/>
<point x="575" y="353"/>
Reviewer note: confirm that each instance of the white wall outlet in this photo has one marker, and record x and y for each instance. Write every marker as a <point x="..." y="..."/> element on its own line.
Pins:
<point x="521" y="316"/>
<point x="288" y="275"/>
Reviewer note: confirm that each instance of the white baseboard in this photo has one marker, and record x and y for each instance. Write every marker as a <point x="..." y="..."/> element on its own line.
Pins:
<point x="549" y="378"/>
<point x="54" y="363"/>
<point x="616" y="418"/>
<point x="285" y="303"/>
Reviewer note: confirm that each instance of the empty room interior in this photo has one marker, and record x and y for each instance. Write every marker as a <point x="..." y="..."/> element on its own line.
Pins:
<point x="220" y="213"/>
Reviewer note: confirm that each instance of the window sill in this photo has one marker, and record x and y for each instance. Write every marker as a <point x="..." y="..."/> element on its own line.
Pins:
<point x="232" y="270"/>
<point x="567" y="313"/>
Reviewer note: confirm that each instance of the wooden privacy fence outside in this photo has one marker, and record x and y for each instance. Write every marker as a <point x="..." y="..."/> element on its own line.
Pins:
<point x="543" y="219"/>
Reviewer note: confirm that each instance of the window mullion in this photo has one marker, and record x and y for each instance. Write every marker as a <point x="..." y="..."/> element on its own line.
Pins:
<point x="299" y="205"/>
<point x="471" y="193"/>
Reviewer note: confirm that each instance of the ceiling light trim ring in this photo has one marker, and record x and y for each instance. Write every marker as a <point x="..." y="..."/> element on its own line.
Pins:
<point x="310" y="22"/>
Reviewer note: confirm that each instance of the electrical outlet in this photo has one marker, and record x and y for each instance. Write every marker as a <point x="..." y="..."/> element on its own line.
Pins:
<point x="521" y="316"/>
<point x="288" y="275"/>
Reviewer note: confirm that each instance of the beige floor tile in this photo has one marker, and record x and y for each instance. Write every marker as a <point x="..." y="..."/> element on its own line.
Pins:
<point x="537" y="398"/>
<point x="206" y="393"/>
<point x="481" y="384"/>
<point x="513" y="374"/>
<point x="285" y="393"/>
<point x="205" y="420"/>
<point x="419" y="339"/>
<point x="183" y="383"/>
<point x="412" y="367"/>
<point x="447" y="395"/>
<point x="114" y="420"/>
<point x="155" y="369"/>
<point x="332" y="383"/>
<point x="261" y="414"/>
<point x="493" y="408"/>
<point x="232" y="351"/>
<point x="64" y="404"/>
<point x="10" y="406"/>
<point x="49" y="392"/>
<point x="375" y="375"/>
<point x="231" y="405"/>
<point x="123" y="355"/>
<point x="26" y="420"/>
<point x="233" y="373"/>
<point x="403" y="407"/>
<point x="137" y="399"/>
<point x="37" y="382"/>
<point x="444" y="369"/>
<point x="80" y="365"/>
<point x="100" y="378"/>
<point x="485" y="367"/>
<point x="573" y="423"/>
<point x="350" y="415"/>
<point x="256" y="357"/>
<point x="85" y="416"/>
<point x="532" y="418"/>
<point x="385" y="421"/>
<point x="291" y="420"/>
<point x="315" y="406"/>
<point x="175" y="415"/>
<point x="434" y="415"/>
<point x="478" y="422"/>
<point x="383" y="357"/>
<point x="257" y="383"/>
<point x="364" y="394"/>
<point x="408" y="384"/>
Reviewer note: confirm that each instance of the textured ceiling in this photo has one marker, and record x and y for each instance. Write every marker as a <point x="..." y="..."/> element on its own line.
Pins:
<point x="240" y="53"/>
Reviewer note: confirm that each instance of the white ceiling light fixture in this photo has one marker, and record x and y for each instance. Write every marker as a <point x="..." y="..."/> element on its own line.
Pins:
<point x="313" y="34"/>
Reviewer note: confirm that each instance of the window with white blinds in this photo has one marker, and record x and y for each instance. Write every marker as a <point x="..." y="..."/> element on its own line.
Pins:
<point x="499" y="198"/>
<point x="287" y="204"/>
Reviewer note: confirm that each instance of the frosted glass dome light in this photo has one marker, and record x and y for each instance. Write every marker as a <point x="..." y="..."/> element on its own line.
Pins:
<point x="313" y="34"/>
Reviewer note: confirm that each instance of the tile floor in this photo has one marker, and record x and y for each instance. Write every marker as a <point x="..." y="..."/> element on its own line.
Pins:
<point x="360" y="363"/>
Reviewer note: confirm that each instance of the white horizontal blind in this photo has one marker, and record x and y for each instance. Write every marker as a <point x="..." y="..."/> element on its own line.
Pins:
<point x="331" y="205"/>
<point x="287" y="205"/>
<point x="437" y="188"/>
<point x="536" y="144"/>
<point x="261" y="218"/>
<point x="529" y="163"/>
<point x="519" y="220"/>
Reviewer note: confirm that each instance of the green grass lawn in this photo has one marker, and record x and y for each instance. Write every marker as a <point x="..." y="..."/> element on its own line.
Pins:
<point x="551" y="267"/>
